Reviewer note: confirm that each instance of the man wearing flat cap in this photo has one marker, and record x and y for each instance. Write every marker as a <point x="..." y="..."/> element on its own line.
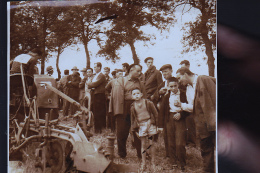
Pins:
<point x="72" y="84"/>
<point x="160" y="97"/>
<point x="153" y="78"/>
<point x="120" y="103"/>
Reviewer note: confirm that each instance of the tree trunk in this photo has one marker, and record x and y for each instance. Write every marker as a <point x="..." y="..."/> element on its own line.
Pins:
<point x="44" y="28"/>
<point x="208" y="45"/>
<point x="209" y="51"/>
<point x="135" y="58"/>
<point x="57" y="64"/>
<point x="87" y="54"/>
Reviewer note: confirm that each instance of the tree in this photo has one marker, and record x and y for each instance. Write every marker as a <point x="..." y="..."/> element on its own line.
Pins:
<point x="201" y="34"/>
<point x="126" y="28"/>
<point x="21" y="23"/>
<point x="31" y="22"/>
<point x="81" y="19"/>
<point x="60" y="38"/>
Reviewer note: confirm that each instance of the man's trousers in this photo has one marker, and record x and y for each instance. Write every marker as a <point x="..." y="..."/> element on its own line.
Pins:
<point x="207" y="146"/>
<point x="176" y="132"/>
<point x="99" y="111"/>
<point x="123" y="124"/>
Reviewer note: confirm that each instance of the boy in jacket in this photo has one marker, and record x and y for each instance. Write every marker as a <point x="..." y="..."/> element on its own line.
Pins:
<point x="143" y="121"/>
<point x="175" y="122"/>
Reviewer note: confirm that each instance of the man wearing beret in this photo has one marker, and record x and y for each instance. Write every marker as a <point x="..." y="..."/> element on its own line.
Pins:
<point x="120" y="103"/>
<point x="153" y="78"/>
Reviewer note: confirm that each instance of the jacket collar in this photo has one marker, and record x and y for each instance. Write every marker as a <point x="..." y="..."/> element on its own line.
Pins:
<point x="151" y="70"/>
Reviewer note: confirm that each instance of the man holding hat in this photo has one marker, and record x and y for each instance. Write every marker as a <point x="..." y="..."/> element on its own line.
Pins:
<point x="153" y="78"/>
<point x="72" y="84"/>
<point x="49" y="70"/>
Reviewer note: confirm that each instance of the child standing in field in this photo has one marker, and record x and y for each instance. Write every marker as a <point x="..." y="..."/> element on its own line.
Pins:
<point x="143" y="121"/>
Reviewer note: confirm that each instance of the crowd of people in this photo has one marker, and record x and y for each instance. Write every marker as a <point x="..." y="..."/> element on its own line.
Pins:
<point x="182" y="106"/>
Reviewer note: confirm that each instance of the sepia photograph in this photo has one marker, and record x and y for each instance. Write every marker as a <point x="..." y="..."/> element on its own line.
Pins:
<point x="107" y="86"/>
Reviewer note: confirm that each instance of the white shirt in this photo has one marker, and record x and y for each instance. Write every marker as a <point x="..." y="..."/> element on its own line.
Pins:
<point x="190" y="93"/>
<point x="95" y="77"/>
<point x="87" y="91"/>
<point x="173" y="98"/>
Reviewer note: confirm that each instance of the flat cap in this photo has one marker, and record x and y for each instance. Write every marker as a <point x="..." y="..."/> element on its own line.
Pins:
<point x="165" y="67"/>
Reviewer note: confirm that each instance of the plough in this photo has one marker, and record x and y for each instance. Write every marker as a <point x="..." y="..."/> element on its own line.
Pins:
<point x="61" y="148"/>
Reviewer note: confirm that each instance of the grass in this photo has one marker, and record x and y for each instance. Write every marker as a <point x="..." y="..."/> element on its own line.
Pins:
<point x="194" y="160"/>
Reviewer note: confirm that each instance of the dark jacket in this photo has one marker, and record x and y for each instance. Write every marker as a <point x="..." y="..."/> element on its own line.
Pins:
<point x="205" y="105"/>
<point x="164" y="108"/>
<point x="152" y="112"/>
<point x="73" y="86"/>
<point x="153" y="78"/>
<point x="98" y="85"/>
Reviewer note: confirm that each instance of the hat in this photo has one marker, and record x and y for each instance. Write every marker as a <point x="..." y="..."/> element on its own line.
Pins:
<point x="107" y="68"/>
<point x="75" y="68"/>
<point x="49" y="68"/>
<point x="83" y="70"/>
<point x="165" y="67"/>
<point x="148" y="58"/>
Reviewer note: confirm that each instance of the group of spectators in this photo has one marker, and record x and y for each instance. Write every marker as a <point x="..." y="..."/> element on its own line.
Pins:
<point x="143" y="104"/>
<point x="183" y="106"/>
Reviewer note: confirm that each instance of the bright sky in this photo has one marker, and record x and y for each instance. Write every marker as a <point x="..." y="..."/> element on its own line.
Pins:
<point x="164" y="51"/>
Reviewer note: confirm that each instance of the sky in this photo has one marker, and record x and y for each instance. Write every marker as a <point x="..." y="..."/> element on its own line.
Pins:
<point x="164" y="51"/>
